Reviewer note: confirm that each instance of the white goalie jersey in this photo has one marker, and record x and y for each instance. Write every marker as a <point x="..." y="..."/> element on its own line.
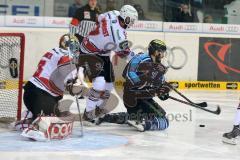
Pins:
<point x="108" y="36"/>
<point x="54" y="69"/>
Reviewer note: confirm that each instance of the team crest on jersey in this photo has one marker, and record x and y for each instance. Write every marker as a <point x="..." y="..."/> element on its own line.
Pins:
<point x="99" y="67"/>
<point x="87" y="15"/>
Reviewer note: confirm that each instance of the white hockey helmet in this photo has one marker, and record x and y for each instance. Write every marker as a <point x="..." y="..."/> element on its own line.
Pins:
<point x="129" y="14"/>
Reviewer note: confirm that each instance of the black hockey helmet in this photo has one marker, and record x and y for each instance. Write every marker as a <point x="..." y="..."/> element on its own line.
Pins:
<point x="156" y="45"/>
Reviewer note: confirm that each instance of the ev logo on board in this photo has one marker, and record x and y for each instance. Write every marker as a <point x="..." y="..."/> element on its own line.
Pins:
<point x="221" y="55"/>
<point x="219" y="59"/>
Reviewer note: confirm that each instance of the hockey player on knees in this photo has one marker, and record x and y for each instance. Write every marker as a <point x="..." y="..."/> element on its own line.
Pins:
<point x="110" y="35"/>
<point x="232" y="137"/>
<point x="144" y="79"/>
<point x="56" y="73"/>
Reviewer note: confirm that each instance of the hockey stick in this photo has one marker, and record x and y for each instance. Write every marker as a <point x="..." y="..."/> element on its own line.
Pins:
<point x="76" y="96"/>
<point x="80" y="117"/>
<point x="217" y="111"/>
<point x="202" y="104"/>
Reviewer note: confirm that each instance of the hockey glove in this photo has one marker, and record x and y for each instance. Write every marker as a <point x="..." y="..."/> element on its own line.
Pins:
<point x="163" y="93"/>
<point x="72" y="88"/>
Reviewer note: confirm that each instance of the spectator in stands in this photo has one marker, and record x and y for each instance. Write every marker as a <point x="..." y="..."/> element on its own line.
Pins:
<point x="208" y="19"/>
<point x="184" y="14"/>
<point x="99" y="7"/>
<point x="141" y="15"/>
<point x="110" y="5"/>
<point x="72" y="9"/>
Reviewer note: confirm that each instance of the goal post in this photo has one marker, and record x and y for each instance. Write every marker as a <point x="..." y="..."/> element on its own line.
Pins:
<point x="11" y="75"/>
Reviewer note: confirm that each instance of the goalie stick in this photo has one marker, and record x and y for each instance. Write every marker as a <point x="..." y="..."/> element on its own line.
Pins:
<point x="76" y="96"/>
<point x="202" y="104"/>
<point x="217" y="111"/>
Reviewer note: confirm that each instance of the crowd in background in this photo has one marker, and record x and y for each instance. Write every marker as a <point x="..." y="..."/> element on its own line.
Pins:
<point x="203" y="11"/>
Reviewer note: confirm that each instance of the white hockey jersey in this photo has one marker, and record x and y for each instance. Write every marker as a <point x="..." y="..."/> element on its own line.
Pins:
<point x="54" y="69"/>
<point x="108" y="36"/>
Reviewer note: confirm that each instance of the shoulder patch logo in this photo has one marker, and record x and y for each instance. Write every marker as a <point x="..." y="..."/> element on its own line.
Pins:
<point x="87" y="15"/>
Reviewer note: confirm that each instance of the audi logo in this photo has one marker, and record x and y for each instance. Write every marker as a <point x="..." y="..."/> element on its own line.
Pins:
<point x="232" y="29"/>
<point x="172" y="62"/>
<point x="176" y="57"/>
<point x="190" y="27"/>
<point x="150" y="25"/>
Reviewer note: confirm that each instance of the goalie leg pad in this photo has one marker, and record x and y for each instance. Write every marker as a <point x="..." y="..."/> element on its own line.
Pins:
<point x="157" y="123"/>
<point x="47" y="128"/>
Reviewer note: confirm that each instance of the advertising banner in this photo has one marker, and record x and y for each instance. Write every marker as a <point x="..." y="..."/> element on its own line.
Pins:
<point x="56" y="22"/>
<point x="182" y="27"/>
<point x="221" y="28"/>
<point x="148" y="26"/>
<point x="24" y="21"/>
<point x="219" y="59"/>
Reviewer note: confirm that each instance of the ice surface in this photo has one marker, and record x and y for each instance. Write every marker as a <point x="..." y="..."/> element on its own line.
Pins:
<point x="183" y="140"/>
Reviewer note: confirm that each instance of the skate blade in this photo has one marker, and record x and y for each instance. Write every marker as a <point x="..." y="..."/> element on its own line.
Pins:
<point x="232" y="141"/>
<point x="139" y="127"/>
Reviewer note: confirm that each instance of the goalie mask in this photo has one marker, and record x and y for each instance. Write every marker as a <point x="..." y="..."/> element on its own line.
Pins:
<point x="129" y="15"/>
<point x="156" y="50"/>
<point x="71" y="44"/>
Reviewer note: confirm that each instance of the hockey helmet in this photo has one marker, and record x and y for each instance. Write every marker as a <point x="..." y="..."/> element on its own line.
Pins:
<point x="156" y="45"/>
<point x="129" y="15"/>
<point x="70" y="43"/>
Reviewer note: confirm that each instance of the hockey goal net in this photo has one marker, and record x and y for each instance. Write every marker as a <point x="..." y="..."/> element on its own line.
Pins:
<point x="11" y="75"/>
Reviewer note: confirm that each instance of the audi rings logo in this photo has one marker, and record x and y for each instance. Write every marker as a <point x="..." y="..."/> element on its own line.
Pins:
<point x="60" y="131"/>
<point x="175" y="58"/>
<point x="233" y="29"/>
<point x="150" y="25"/>
<point x="190" y="27"/>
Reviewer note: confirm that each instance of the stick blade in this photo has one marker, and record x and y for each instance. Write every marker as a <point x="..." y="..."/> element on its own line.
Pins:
<point x="218" y="111"/>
